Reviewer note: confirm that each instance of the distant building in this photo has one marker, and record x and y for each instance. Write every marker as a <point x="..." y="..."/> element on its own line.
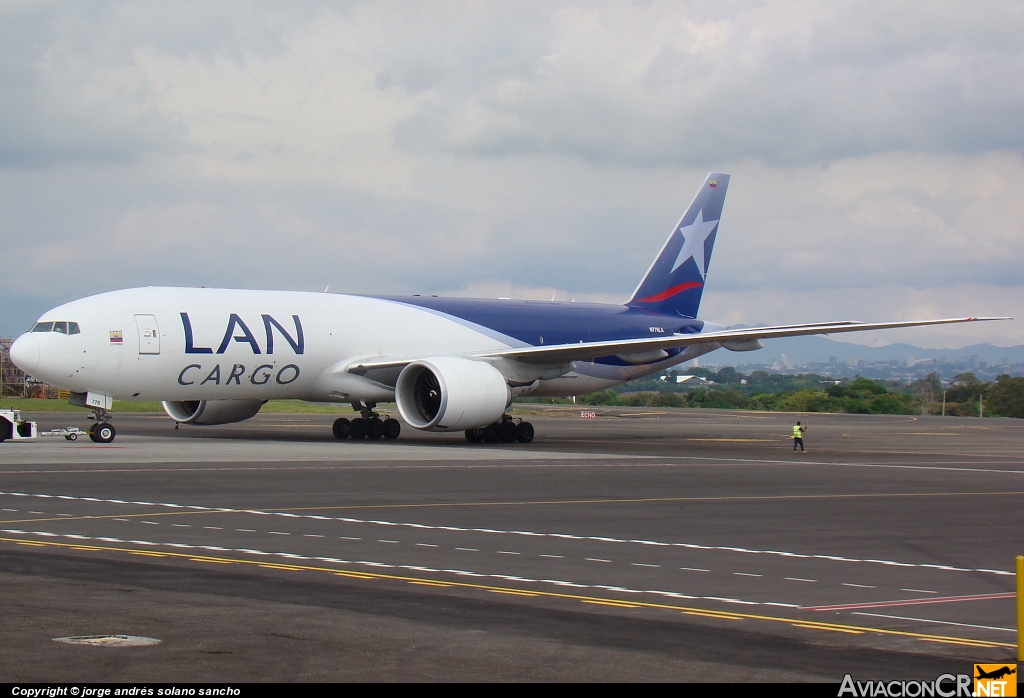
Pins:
<point x="12" y="380"/>
<point x="686" y="378"/>
<point x="911" y="360"/>
<point x="690" y="379"/>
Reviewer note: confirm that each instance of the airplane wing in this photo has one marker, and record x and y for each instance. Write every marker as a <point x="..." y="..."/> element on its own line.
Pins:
<point x="585" y="351"/>
<point x="559" y="354"/>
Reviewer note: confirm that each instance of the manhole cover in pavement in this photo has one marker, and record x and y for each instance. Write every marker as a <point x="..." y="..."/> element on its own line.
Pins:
<point x="109" y="640"/>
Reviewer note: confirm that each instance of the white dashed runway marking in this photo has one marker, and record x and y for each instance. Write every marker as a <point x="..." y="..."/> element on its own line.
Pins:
<point x="532" y="534"/>
<point x="613" y="562"/>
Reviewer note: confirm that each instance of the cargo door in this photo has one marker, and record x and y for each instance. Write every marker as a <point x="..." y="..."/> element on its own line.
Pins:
<point x="149" y="334"/>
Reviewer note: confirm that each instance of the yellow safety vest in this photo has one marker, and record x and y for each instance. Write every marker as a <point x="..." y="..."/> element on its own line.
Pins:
<point x="798" y="432"/>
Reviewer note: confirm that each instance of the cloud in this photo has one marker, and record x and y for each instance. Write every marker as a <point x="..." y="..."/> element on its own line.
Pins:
<point x="637" y="85"/>
<point x="505" y="290"/>
<point x="66" y="99"/>
<point x="879" y="304"/>
<point x="517" y="150"/>
<point x="73" y="87"/>
<point x="921" y="220"/>
<point x="661" y="84"/>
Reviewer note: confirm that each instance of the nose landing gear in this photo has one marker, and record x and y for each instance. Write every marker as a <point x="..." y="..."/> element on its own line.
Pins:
<point x="102" y="432"/>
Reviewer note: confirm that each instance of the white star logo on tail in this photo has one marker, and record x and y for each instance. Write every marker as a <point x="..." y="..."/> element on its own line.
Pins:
<point x="694" y="236"/>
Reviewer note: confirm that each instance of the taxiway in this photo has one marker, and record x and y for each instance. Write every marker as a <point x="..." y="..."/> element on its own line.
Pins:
<point x="640" y="545"/>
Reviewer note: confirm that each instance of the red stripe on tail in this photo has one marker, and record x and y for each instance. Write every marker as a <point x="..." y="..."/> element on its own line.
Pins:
<point x="671" y="292"/>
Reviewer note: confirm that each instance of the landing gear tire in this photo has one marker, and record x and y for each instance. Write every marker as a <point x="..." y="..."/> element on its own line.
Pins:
<point x="357" y="428"/>
<point x="341" y="428"/>
<point x="474" y="436"/>
<point x="392" y="428"/>
<point x="524" y="432"/>
<point x="491" y="435"/>
<point x="374" y="428"/>
<point x="507" y="432"/>
<point x="102" y="433"/>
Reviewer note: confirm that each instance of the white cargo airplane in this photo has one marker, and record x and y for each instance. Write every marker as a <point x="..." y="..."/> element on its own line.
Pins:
<point x="215" y="356"/>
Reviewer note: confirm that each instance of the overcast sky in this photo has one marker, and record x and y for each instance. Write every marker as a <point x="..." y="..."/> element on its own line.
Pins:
<point x="520" y="149"/>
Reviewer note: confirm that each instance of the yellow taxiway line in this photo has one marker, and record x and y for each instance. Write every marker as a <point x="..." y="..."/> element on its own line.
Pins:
<point x="593" y="600"/>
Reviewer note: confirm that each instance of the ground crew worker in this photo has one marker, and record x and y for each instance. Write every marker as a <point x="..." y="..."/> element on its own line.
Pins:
<point x="798" y="437"/>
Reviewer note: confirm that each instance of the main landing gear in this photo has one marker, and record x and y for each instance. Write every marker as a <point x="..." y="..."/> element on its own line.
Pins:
<point x="506" y="431"/>
<point x="368" y="426"/>
<point x="102" y="432"/>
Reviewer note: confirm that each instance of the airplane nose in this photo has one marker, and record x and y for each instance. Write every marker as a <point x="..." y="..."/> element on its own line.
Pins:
<point x="25" y="353"/>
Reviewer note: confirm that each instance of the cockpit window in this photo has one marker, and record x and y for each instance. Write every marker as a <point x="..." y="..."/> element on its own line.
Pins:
<point x="59" y="326"/>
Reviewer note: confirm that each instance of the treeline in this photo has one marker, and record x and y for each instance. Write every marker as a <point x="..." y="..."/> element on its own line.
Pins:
<point x="966" y="396"/>
<point x="860" y="396"/>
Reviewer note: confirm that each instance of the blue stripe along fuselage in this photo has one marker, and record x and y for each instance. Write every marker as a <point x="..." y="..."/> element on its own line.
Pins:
<point x="535" y="323"/>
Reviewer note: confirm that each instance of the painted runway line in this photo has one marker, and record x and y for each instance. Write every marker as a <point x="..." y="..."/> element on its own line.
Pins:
<point x="936" y="622"/>
<point x="545" y="556"/>
<point x="532" y="534"/>
<point x="722" y="615"/>
<point x="374" y="563"/>
<point x="914" y="602"/>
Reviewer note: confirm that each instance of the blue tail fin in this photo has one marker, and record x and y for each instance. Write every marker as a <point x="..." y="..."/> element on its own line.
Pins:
<point x="675" y="281"/>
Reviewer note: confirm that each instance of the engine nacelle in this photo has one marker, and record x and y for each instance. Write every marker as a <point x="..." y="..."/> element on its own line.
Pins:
<point x="212" y="411"/>
<point x="445" y="393"/>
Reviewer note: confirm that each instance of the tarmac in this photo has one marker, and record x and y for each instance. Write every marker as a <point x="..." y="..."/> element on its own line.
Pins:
<point x="640" y="545"/>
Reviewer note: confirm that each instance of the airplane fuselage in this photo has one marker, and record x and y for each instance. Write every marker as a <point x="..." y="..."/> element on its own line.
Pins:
<point x="174" y="344"/>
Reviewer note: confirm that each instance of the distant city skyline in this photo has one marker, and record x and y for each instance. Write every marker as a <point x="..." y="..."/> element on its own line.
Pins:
<point x="986" y="361"/>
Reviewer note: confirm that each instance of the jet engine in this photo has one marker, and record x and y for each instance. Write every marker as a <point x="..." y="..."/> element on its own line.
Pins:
<point x="445" y="393"/>
<point x="212" y="411"/>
